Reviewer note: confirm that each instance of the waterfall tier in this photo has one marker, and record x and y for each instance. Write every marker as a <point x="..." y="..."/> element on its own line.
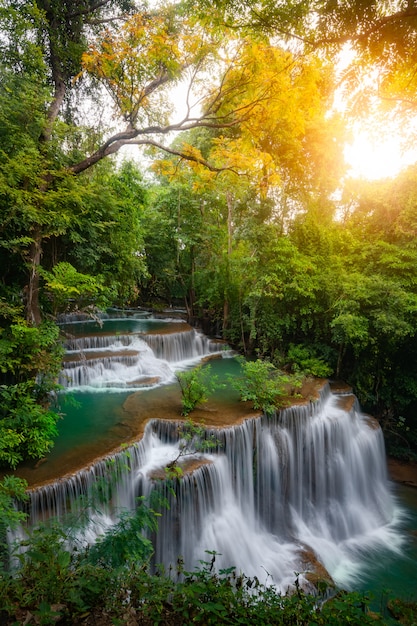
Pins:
<point x="134" y="359"/>
<point x="312" y="475"/>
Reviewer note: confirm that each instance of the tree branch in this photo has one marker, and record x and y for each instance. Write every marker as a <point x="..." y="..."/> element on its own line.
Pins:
<point x="183" y="155"/>
<point x="89" y="10"/>
<point x="128" y="137"/>
<point x="377" y="25"/>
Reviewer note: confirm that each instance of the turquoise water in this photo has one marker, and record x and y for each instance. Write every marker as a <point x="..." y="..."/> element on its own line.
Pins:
<point x="89" y="416"/>
<point x="388" y="574"/>
<point x="384" y="574"/>
<point x="85" y="417"/>
<point x="85" y="412"/>
<point x="128" y="325"/>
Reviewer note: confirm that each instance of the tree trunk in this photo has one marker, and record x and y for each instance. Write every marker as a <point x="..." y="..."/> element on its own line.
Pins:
<point x="226" y="306"/>
<point x="33" y="312"/>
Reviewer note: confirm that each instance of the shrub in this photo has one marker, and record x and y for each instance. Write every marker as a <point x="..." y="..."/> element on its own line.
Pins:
<point x="196" y="386"/>
<point x="55" y="583"/>
<point x="263" y="384"/>
<point x="304" y="359"/>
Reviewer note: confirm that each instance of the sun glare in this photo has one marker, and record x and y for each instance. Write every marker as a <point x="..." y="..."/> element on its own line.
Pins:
<point x="375" y="158"/>
<point x="378" y="148"/>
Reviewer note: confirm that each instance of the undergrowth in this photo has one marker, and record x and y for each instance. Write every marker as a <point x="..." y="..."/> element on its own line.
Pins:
<point x="54" y="584"/>
<point x="52" y="576"/>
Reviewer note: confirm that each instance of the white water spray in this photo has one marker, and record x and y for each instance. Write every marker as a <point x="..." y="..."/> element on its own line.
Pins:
<point x="308" y="483"/>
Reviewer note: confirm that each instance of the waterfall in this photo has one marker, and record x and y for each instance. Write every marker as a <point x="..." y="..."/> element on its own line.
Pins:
<point x="309" y="479"/>
<point x="132" y="360"/>
<point x="176" y="347"/>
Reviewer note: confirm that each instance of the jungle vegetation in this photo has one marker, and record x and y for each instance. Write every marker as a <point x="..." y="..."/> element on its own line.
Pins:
<point x="191" y="153"/>
<point x="175" y="154"/>
<point x="57" y="579"/>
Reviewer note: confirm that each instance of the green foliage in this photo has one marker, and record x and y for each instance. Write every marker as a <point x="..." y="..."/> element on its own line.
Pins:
<point x="193" y="440"/>
<point x="126" y="542"/>
<point x="264" y="385"/>
<point x="27" y="428"/>
<point x="12" y="491"/>
<point x="30" y="359"/>
<point x="51" y="579"/>
<point x="69" y="289"/>
<point x="258" y="255"/>
<point x="54" y="582"/>
<point x="304" y="359"/>
<point x="403" y="611"/>
<point x="400" y="438"/>
<point x="44" y="565"/>
<point x="174" y="235"/>
<point x="106" y="238"/>
<point x="55" y="577"/>
<point x="196" y="385"/>
<point x="226" y="597"/>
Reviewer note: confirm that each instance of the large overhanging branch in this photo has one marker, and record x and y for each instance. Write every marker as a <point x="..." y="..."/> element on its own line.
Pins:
<point x="134" y="136"/>
<point x="129" y="137"/>
<point x="183" y="155"/>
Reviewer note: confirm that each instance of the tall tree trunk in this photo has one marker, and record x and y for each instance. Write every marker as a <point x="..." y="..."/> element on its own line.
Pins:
<point x="33" y="312"/>
<point x="226" y="305"/>
<point x="192" y="286"/>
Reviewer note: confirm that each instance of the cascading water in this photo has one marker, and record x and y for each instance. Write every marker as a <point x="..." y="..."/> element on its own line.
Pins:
<point x="140" y="358"/>
<point x="277" y="493"/>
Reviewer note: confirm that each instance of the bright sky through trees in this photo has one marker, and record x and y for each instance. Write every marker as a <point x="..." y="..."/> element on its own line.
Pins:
<point x="378" y="147"/>
<point x="373" y="157"/>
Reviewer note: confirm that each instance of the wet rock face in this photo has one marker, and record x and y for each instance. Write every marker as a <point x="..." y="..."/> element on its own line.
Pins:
<point x="401" y="472"/>
<point x="314" y="571"/>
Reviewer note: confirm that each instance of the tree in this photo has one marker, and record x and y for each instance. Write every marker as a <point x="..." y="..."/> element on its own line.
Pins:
<point x="264" y="385"/>
<point x="59" y="57"/>
<point x="67" y="288"/>
<point x="381" y="33"/>
<point x="105" y="239"/>
<point x="175" y="234"/>
<point x="196" y="385"/>
<point x="58" y="53"/>
<point x="274" y="162"/>
<point x="193" y="438"/>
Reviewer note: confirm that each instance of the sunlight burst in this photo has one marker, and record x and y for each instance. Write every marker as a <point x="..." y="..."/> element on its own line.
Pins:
<point x="374" y="157"/>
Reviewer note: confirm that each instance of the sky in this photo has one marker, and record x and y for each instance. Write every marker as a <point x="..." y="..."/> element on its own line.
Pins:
<point x="374" y="158"/>
<point x="378" y="148"/>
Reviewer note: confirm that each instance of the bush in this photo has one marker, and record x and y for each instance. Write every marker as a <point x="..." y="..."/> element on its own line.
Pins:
<point x="30" y="359"/>
<point x="67" y="289"/>
<point x="263" y="384"/>
<point x="196" y="385"/>
<point x="305" y="360"/>
<point x="57" y="583"/>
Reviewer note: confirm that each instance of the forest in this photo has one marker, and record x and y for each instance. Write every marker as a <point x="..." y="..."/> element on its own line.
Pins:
<point x="191" y="154"/>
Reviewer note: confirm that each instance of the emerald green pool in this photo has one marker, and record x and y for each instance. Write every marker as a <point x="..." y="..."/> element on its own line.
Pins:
<point x="93" y="418"/>
<point x="389" y="575"/>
